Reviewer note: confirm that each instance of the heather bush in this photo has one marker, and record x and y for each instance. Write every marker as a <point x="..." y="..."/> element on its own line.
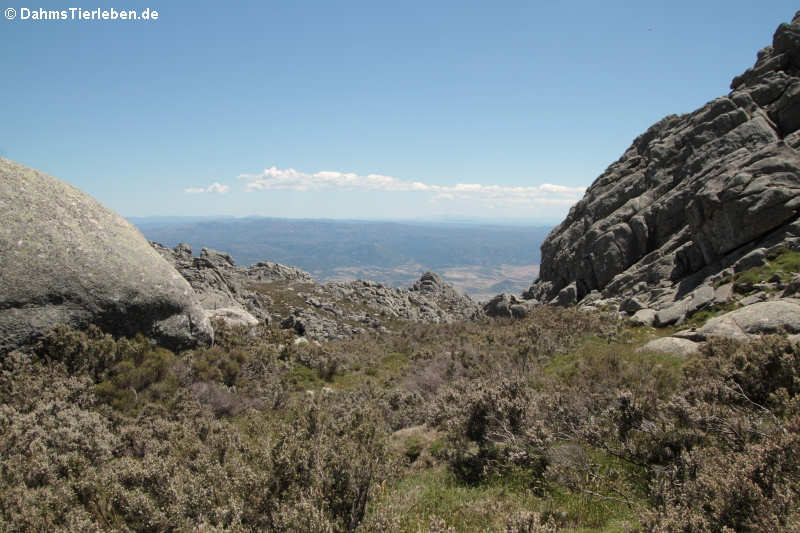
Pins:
<point x="527" y="522"/>
<point x="743" y="474"/>
<point x="143" y="375"/>
<point x="492" y="430"/>
<point x="70" y="462"/>
<point x="748" y="490"/>
<point x="550" y="422"/>
<point x="89" y="351"/>
<point x="218" y="364"/>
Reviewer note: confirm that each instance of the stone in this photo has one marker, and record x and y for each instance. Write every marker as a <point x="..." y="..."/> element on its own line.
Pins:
<point x="676" y="313"/>
<point x="631" y="305"/>
<point x="566" y="296"/>
<point x="723" y="294"/>
<point x="233" y="316"/>
<point x="755" y="319"/>
<point x="519" y="311"/>
<point x="793" y="287"/>
<point x="754" y="259"/>
<point x="67" y="259"/>
<point x="753" y="299"/>
<point x="592" y="297"/>
<point x="445" y="296"/>
<point x="691" y="196"/>
<point x="671" y="345"/>
<point x="220" y="284"/>
<point x="643" y="317"/>
<point x="500" y="305"/>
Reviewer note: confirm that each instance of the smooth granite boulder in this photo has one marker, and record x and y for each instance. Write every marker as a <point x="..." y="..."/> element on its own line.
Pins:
<point x="758" y="318"/>
<point x="67" y="259"/>
<point x="671" y="345"/>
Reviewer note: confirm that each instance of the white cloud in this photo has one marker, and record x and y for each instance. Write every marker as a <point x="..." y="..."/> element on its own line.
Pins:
<point x="218" y="188"/>
<point x="290" y="179"/>
<point x="214" y="187"/>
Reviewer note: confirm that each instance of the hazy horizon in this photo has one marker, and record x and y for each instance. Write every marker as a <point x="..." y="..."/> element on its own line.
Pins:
<point x="444" y="220"/>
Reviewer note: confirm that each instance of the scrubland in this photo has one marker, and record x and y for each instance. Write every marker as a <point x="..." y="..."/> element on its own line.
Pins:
<point x="556" y="422"/>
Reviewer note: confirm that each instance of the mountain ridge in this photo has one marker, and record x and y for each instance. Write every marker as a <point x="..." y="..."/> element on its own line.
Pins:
<point x="691" y="197"/>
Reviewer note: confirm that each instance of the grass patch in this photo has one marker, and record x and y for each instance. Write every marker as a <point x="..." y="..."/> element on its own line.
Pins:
<point x="284" y="295"/>
<point x="303" y="378"/>
<point x="598" y="363"/>
<point x="782" y="263"/>
<point x="417" y="497"/>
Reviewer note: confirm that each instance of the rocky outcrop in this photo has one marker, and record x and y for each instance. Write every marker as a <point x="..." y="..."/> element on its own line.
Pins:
<point x="66" y="259"/>
<point x="223" y="288"/>
<point x="289" y="297"/>
<point x="692" y="196"/>
<point x="671" y="345"/>
<point x="506" y="305"/>
<point x="455" y="305"/>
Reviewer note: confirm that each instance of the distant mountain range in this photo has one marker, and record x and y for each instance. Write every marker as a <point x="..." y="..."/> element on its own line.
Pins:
<point x="478" y="257"/>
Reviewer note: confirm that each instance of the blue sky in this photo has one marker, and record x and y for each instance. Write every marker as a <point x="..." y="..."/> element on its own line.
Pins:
<point x="345" y="109"/>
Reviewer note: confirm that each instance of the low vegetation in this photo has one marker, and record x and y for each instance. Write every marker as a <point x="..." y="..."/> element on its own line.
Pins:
<point x="781" y="266"/>
<point x="552" y="423"/>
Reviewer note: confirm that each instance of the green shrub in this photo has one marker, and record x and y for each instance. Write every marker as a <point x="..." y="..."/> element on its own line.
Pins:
<point x="89" y="351"/>
<point x="144" y="375"/>
<point x="218" y="364"/>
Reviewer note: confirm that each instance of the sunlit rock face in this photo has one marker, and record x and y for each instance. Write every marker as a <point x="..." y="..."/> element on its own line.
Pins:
<point x="691" y="196"/>
<point x="66" y="259"/>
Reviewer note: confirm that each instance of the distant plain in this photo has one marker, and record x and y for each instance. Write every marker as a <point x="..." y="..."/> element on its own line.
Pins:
<point x="480" y="259"/>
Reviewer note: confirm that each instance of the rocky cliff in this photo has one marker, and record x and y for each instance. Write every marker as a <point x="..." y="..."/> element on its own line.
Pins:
<point x="691" y="197"/>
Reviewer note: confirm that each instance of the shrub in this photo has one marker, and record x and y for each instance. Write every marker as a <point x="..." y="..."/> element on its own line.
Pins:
<point x="144" y="374"/>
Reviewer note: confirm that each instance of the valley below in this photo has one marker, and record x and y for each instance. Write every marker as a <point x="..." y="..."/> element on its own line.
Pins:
<point x="480" y="260"/>
<point x="479" y="282"/>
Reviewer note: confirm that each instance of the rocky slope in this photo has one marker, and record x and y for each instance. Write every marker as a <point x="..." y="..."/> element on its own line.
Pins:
<point x="290" y="298"/>
<point x="695" y="199"/>
<point x="65" y="258"/>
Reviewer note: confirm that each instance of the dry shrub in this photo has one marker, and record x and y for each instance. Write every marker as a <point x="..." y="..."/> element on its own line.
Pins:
<point x="221" y="400"/>
<point x="745" y="474"/>
<point x="69" y="462"/>
<point x="527" y="522"/>
<point x="751" y="490"/>
<point x="493" y="428"/>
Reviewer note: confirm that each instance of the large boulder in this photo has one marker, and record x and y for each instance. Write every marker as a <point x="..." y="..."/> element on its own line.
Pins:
<point x="671" y="345"/>
<point x="693" y="195"/>
<point x="66" y="259"/>
<point x="758" y="318"/>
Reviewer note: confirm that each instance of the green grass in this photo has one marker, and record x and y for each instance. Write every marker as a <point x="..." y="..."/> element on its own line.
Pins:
<point x="783" y="262"/>
<point x="600" y="361"/>
<point x="435" y="492"/>
<point x="304" y="378"/>
<point x="583" y="513"/>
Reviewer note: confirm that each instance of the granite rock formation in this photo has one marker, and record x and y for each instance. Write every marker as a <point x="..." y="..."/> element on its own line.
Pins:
<point x="289" y="297"/>
<point x="66" y="259"/>
<point x="692" y="196"/>
<point x="223" y="288"/>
